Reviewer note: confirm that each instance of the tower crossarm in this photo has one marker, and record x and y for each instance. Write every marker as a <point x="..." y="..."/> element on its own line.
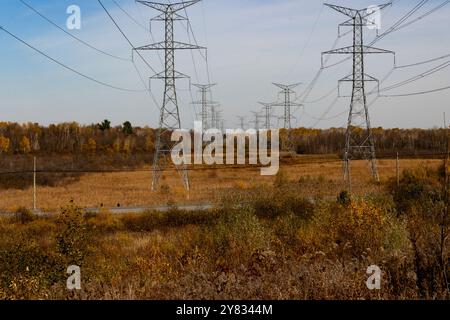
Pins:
<point x="357" y="49"/>
<point x="164" y="7"/>
<point x="176" y="46"/>
<point x="352" y="13"/>
<point x="287" y="86"/>
<point x="175" y="16"/>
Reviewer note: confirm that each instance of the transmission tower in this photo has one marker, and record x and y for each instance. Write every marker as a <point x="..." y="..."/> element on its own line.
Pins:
<point x="218" y="119"/>
<point x="256" y="122"/>
<point x="241" y="122"/>
<point x="216" y="116"/>
<point x="359" y="141"/>
<point x="170" y="115"/>
<point x="267" y="108"/>
<point x="287" y="102"/>
<point x="205" y="103"/>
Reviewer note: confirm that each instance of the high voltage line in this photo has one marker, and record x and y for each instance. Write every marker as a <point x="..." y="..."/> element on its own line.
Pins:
<point x="125" y="36"/>
<point x="71" y="35"/>
<point x="310" y="87"/>
<point x="138" y="24"/>
<point x="417" y="93"/>
<point x="64" y="65"/>
<point x="417" y="77"/>
<point x="395" y="27"/>
<point x="152" y="96"/>
<point x="398" y="25"/>
<point x="147" y="29"/>
<point x="423" y="62"/>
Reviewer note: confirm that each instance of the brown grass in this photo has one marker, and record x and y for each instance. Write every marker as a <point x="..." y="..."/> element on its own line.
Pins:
<point x="133" y="188"/>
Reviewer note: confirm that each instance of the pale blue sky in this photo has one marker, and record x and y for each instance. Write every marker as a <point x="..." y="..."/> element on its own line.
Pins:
<point x="251" y="44"/>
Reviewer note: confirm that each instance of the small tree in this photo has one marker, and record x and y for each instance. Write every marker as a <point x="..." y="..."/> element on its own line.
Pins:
<point x="127" y="146"/>
<point x="116" y="145"/>
<point x="91" y="146"/>
<point x="105" y="125"/>
<point x="4" y="144"/>
<point x="127" y="127"/>
<point x="25" y="145"/>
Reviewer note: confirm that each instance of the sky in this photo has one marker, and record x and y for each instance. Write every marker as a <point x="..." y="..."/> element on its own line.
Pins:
<point x="251" y="44"/>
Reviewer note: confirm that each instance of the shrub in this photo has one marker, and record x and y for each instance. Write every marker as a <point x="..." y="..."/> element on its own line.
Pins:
<point x="24" y="215"/>
<point x="165" y="189"/>
<point x="27" y="271"/>
<point x="280" y="179"/>
<point x="237" y="235"/>
<point x="274" y="203"/>
<point x="344" y="198"/>
<point x="352" y="231"/>
<point x="416" y="186"/>
<point x="147" y="221"/>
<point x="72" y="236"/>
<point x="103" y="222"/>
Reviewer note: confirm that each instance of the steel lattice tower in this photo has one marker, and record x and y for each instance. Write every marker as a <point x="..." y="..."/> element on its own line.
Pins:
<point x="359" y="141"/>
<point x="206" y="104"/>
<point x="256" y="121"/>
<point x="218" y="120"/>
<point x="241" y="122"/>
<point x="170" y="115"/>
<point x="267" y="108"/>
<point x="287" y="102"/>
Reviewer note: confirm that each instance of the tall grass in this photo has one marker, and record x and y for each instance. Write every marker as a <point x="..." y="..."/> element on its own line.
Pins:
<point x="269" y="243"/>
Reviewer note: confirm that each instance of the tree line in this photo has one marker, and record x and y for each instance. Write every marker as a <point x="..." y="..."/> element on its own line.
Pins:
<point x="104" y="139"/>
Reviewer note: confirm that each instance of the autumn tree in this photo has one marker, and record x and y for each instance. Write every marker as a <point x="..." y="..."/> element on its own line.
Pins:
<point x="127" y="146"/>
<point x="90" y="146"/>
<point x="4" y="144"/>
<point x="25" y="145"/>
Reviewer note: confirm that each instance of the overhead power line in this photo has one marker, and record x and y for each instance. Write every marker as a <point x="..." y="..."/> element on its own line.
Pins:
<point x="147" y="29"/>
<point x="71" y="35"/>
<point x="152" y="96"/>
<point x="395" y="27"/>
<point x="125" y="36"/>
<point x="423" y="16"/>
<point x="417" y="77"/>
<point x="423" y="62"/>
<point x="417" y="93"/>
<point x="65" y="66"/>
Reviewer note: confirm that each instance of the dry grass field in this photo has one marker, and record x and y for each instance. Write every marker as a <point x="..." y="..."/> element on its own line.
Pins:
<point x="292" y="236"/>
<point x="318" y="176"/>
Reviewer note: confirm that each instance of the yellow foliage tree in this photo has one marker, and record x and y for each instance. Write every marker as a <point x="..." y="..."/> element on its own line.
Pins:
<point x="25" y="145"/>
<point x="127" y="146"/>
<point x="149" y="144"/>
<point x="91" y="146"/>
<point x="4" y="144"/>
<point x="116" y="145"/>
